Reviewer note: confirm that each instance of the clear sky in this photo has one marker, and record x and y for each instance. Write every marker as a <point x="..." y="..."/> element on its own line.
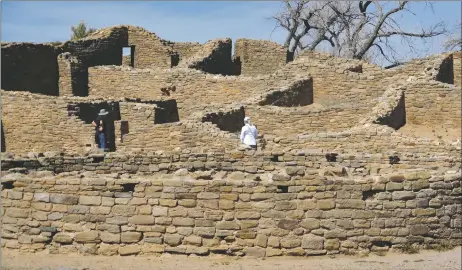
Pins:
<point x="42" y="21"/>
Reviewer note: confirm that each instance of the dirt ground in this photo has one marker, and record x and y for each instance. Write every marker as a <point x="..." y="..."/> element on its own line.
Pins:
<point x="431" y="260"/>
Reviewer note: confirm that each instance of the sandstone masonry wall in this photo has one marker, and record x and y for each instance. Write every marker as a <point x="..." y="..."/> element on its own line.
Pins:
<point x="186" y="50"/>
<point x="39" y="124"/>
<point x="433" y="104"/>
<point x="457" y="62"/>
<point x="150" y="50"/>
<point x="192" y="88"/>
<point x="294" y="212"/>
<point x="213" y="57"/>
<point x="30" y="67"/>
<point x="259" y="57"/>
<point x="73" y="76"/>
<point x="279" y="122"/>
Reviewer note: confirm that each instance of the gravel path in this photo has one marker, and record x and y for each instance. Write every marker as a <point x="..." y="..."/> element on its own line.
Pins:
<point x="431" y="260"/>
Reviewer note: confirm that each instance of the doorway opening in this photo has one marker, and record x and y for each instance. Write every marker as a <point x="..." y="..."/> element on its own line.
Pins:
<point x="128" y="56"/>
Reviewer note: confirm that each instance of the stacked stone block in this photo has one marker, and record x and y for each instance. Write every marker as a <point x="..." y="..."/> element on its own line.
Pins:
<point x="297" y="213"/>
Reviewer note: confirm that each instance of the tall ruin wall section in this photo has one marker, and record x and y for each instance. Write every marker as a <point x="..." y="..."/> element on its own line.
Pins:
<point x="296" y="206"/>
<point x="150" y="50"/>
<point x="259" y="57"/>
<point x="457" y="62"/>
<point x="30" y="67"/>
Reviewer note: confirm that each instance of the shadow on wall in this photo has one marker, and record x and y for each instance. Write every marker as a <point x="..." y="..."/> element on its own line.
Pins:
<point x="446" y="71"/>
<point x="300" y="94"/>
<point x="3" y="139"/>
<point x="166" y="112"/>
<point x="88" y="112"/>
<point x="397" y="118"/>
<point x="230" y="121"/>
<point x="30" y="67"/>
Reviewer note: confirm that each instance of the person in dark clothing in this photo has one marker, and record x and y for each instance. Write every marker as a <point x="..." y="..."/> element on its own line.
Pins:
<point x="100" y="131"/>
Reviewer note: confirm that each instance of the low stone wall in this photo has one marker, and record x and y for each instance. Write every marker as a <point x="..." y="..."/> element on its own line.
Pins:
<point x="293" y="212"/>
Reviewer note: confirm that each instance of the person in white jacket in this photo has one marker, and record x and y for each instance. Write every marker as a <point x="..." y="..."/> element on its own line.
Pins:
<point x="249" y="134"/>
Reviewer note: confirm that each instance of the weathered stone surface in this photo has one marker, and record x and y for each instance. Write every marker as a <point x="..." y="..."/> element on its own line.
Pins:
<point x="227" y="225"/>
<point x="419" y="230"/>
<point x="315" y="242"/>
<point x="87" y="237"/>
<point x="192" y="240"/>
<point x="255" y="252"/>
<point x="64" y="199"/>
<point x="129" y="250"/>
<point x="173" y="239"/>
<point x="141" y="220"/>
<point x="130" y="237"/>
<point x="107" y="237"/>
<point x="90" y="200"/>
<point x="62" y="238"/>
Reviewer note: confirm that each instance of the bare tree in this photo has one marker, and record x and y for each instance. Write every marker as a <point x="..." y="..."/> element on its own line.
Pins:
<point x="353" y="29"/>
<point x="454" y="42"/>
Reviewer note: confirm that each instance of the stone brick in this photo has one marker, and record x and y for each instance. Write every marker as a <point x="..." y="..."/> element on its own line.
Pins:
<point x="192" y="240"/>
<point x="107" y="237"/>
<point x="123" y="210"/>
<point x="255" y="252"/>
<point x="42" y="197"/>
<point x="419" y="230"/>
<point x="87" y="237"/>
<point x="227" y="225"/>
<point x="107" y="250"/>
<point x="351" y="204"/>
<point x="129" y="250"/>
<point x="288" y="224"/>
<point x="90" y="200"/>
<point x="17" y="212"/>
<point x="332" y="244"/>
<point x="141" y="220"/>
<point x="208" y="195"/>
<point x="271" y="252"/>
<point x="403" y="195"/>
<point x="130" y="237"/>
<point x="172" y="239"/>
<point x="64" y="199"/>
<point x="310" y="241"/>
<point x="261" y="240"/>
<point x="290" y="242"/>
<point x="62" y="238"/>
<point x="325" y="204"/>
<point x="310" y="224"/>
<point x="187" y="222"/>
<point x="226" y="204"/>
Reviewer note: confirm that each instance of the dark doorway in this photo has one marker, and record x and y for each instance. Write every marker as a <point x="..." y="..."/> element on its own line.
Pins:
<point x="3" y="139"/>
<point x="166" y="112"/>
<point x="88" y="112"/>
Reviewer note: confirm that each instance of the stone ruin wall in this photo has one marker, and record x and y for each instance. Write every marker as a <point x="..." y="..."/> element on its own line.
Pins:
<point x="259" y="57"/>
<point x="457" y="58"/>
<point x="279" y="122"/>
<point x="30" y="67"/>
<point x="192" y="88"/>
<point x="39" y="124"/>
<point x="194" y="191"/>
<point x="150" y="50"/>
<point x="298" y="205"/>
<point x="49" y="117"/>
<point x="433" y="104"/>
<point x="186" y="50"/>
